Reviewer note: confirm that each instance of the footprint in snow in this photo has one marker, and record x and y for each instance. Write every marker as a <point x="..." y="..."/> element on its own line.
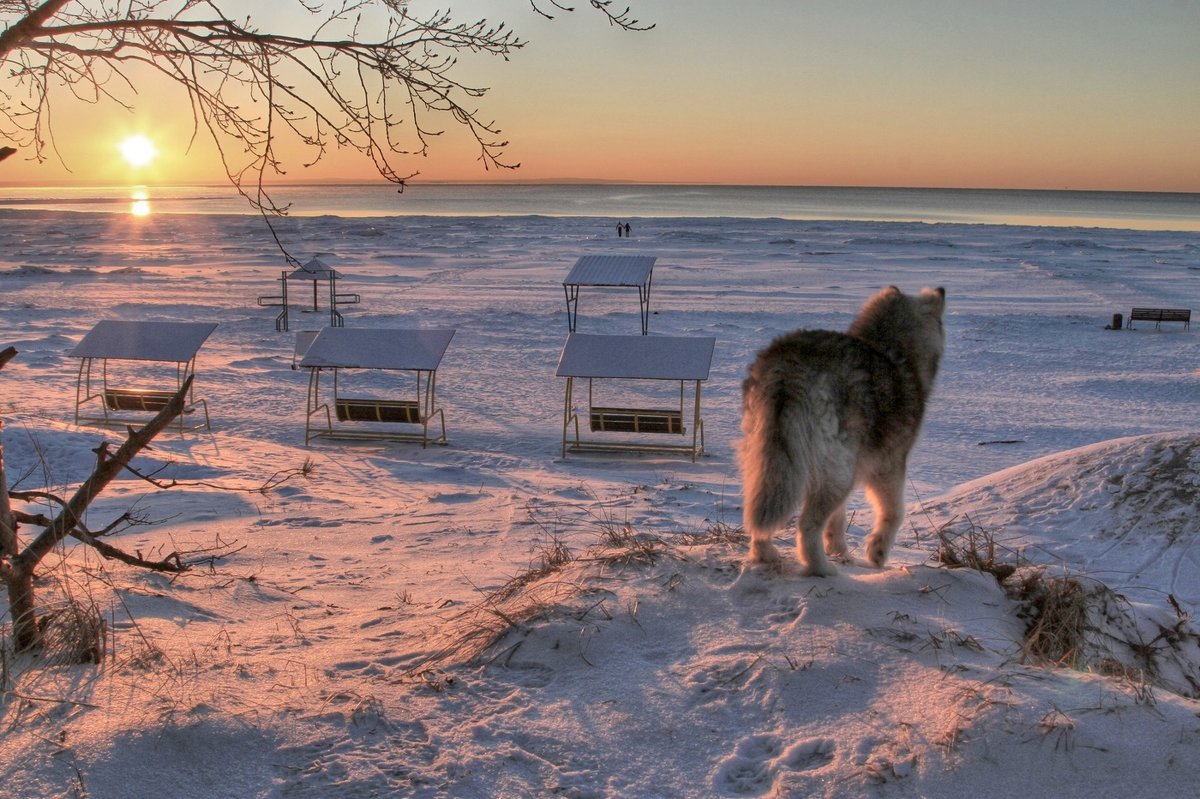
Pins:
<point x="759" y="761"/>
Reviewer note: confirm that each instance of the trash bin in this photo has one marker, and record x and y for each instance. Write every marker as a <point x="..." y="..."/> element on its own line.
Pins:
<point x="1116" y="323"/>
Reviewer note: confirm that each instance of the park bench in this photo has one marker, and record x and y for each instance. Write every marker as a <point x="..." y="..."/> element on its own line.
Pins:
<point x="136" y="399"/>
<point x="147" y="400"/>
<point x="1160" y="315"/>
<point x="338" y="349"/>
<point x="642" y="365"/>
<point x="376" y="410"/>
<point x="635" y="420"/>
<point x="144" y="351"/>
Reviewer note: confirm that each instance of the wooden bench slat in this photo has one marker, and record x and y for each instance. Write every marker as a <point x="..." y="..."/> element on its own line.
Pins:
<point x="636" y="420"/>
<point x="133" y="399"/>
<point x="368" y="410"/>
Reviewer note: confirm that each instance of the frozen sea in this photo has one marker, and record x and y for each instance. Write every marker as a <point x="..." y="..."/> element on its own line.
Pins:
<point x="1130" y="210"/>
<point x="322" y="643"/>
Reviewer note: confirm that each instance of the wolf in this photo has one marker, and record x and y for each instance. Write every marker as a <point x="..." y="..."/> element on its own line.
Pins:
<point x="824" y="412"/>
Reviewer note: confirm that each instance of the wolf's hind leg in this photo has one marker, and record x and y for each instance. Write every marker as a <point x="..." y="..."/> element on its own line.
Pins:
<point x="762" y="550"/>
<point x="886" y="493"/>
<point x="835" y="534"/>
<point x="820" y="503"/>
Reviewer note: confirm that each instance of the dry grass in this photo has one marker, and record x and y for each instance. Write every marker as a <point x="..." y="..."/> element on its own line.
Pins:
<point x="1075" y="622"/>
<point x="468" y="635"/>
<point x="621" y="546"/>
<point x="969" y="546"/>
<point x="557" y="584"/>
<point x="74" y="632"/>
<point x="548" y="560"/>
<point x="1058" y="619"/>
<point x="1079" y="623"/>
<point x="717" y="533"/>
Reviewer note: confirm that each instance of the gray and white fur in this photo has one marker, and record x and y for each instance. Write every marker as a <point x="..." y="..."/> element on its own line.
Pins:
<point x="824" y="412"/>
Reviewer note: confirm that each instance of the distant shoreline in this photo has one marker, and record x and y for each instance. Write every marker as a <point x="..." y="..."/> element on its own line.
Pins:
<point x="535" y="182"/>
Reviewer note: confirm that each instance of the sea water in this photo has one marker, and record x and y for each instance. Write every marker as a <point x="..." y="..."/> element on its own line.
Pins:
<point x="1097" y="209"/>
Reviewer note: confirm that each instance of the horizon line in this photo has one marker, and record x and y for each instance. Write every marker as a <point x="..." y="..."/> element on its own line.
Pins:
<point x="416" y="183"/>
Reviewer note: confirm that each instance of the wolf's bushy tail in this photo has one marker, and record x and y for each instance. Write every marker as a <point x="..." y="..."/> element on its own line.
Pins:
<point x="776" y="459"/>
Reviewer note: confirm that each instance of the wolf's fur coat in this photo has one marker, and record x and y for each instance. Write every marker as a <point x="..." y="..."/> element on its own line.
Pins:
<point x="824" y="411"/>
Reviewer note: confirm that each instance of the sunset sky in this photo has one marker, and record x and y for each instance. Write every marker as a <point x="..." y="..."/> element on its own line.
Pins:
<point x="1081" y="94"/>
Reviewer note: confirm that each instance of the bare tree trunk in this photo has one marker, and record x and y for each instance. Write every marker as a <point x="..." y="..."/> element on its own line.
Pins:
<point x="19" y="584"/>
<point x="26" y="634"/>
<point x="18" y="580"/>
<point x="17" y="565"/>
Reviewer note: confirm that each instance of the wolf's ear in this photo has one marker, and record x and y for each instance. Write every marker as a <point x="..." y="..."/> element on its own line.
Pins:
<point x="935" y="299"/>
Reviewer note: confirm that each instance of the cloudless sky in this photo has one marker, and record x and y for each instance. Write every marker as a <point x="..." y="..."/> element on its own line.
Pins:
<point x="1080" y="94"/>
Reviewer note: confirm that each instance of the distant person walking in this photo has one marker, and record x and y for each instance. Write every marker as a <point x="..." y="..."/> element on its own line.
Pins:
<point x="628" y="231"/>
<point x="620" y="229"/>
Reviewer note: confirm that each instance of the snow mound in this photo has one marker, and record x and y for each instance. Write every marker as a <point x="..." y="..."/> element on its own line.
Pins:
<point x="1126" y="512"/>
<point x="780" y="685"/>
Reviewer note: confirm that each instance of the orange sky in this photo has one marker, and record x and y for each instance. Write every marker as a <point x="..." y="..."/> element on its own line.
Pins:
<point x="1082" y="94"/>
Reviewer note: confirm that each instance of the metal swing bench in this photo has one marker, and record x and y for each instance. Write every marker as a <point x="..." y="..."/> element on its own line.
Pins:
<point x="658" y="358"/>
<point x="164" y="342"/>
<point x="337" y="348"/>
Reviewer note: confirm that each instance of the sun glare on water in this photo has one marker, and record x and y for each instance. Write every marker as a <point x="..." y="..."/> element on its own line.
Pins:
<point x="139" y="204"/>
<point x="138" y="150"/>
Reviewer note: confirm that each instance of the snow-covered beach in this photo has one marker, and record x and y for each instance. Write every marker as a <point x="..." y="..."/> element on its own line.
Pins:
<point x="327" y="655"/>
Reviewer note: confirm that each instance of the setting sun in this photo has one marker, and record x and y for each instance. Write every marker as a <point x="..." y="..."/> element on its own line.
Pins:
<point x="138" y="150"/>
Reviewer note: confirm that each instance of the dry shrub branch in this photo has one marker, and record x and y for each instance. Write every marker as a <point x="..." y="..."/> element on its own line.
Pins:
<point x="557" y="583"/>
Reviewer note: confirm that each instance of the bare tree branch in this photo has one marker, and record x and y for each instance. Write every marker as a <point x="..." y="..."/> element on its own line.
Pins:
<point x="107" y="468"/>
<point x="248" y="89"/>
<point x="272" y="482"/>
<point x="17" y="564"/>
<point x="328" y="88"/>
<point x="620" y="19"/>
